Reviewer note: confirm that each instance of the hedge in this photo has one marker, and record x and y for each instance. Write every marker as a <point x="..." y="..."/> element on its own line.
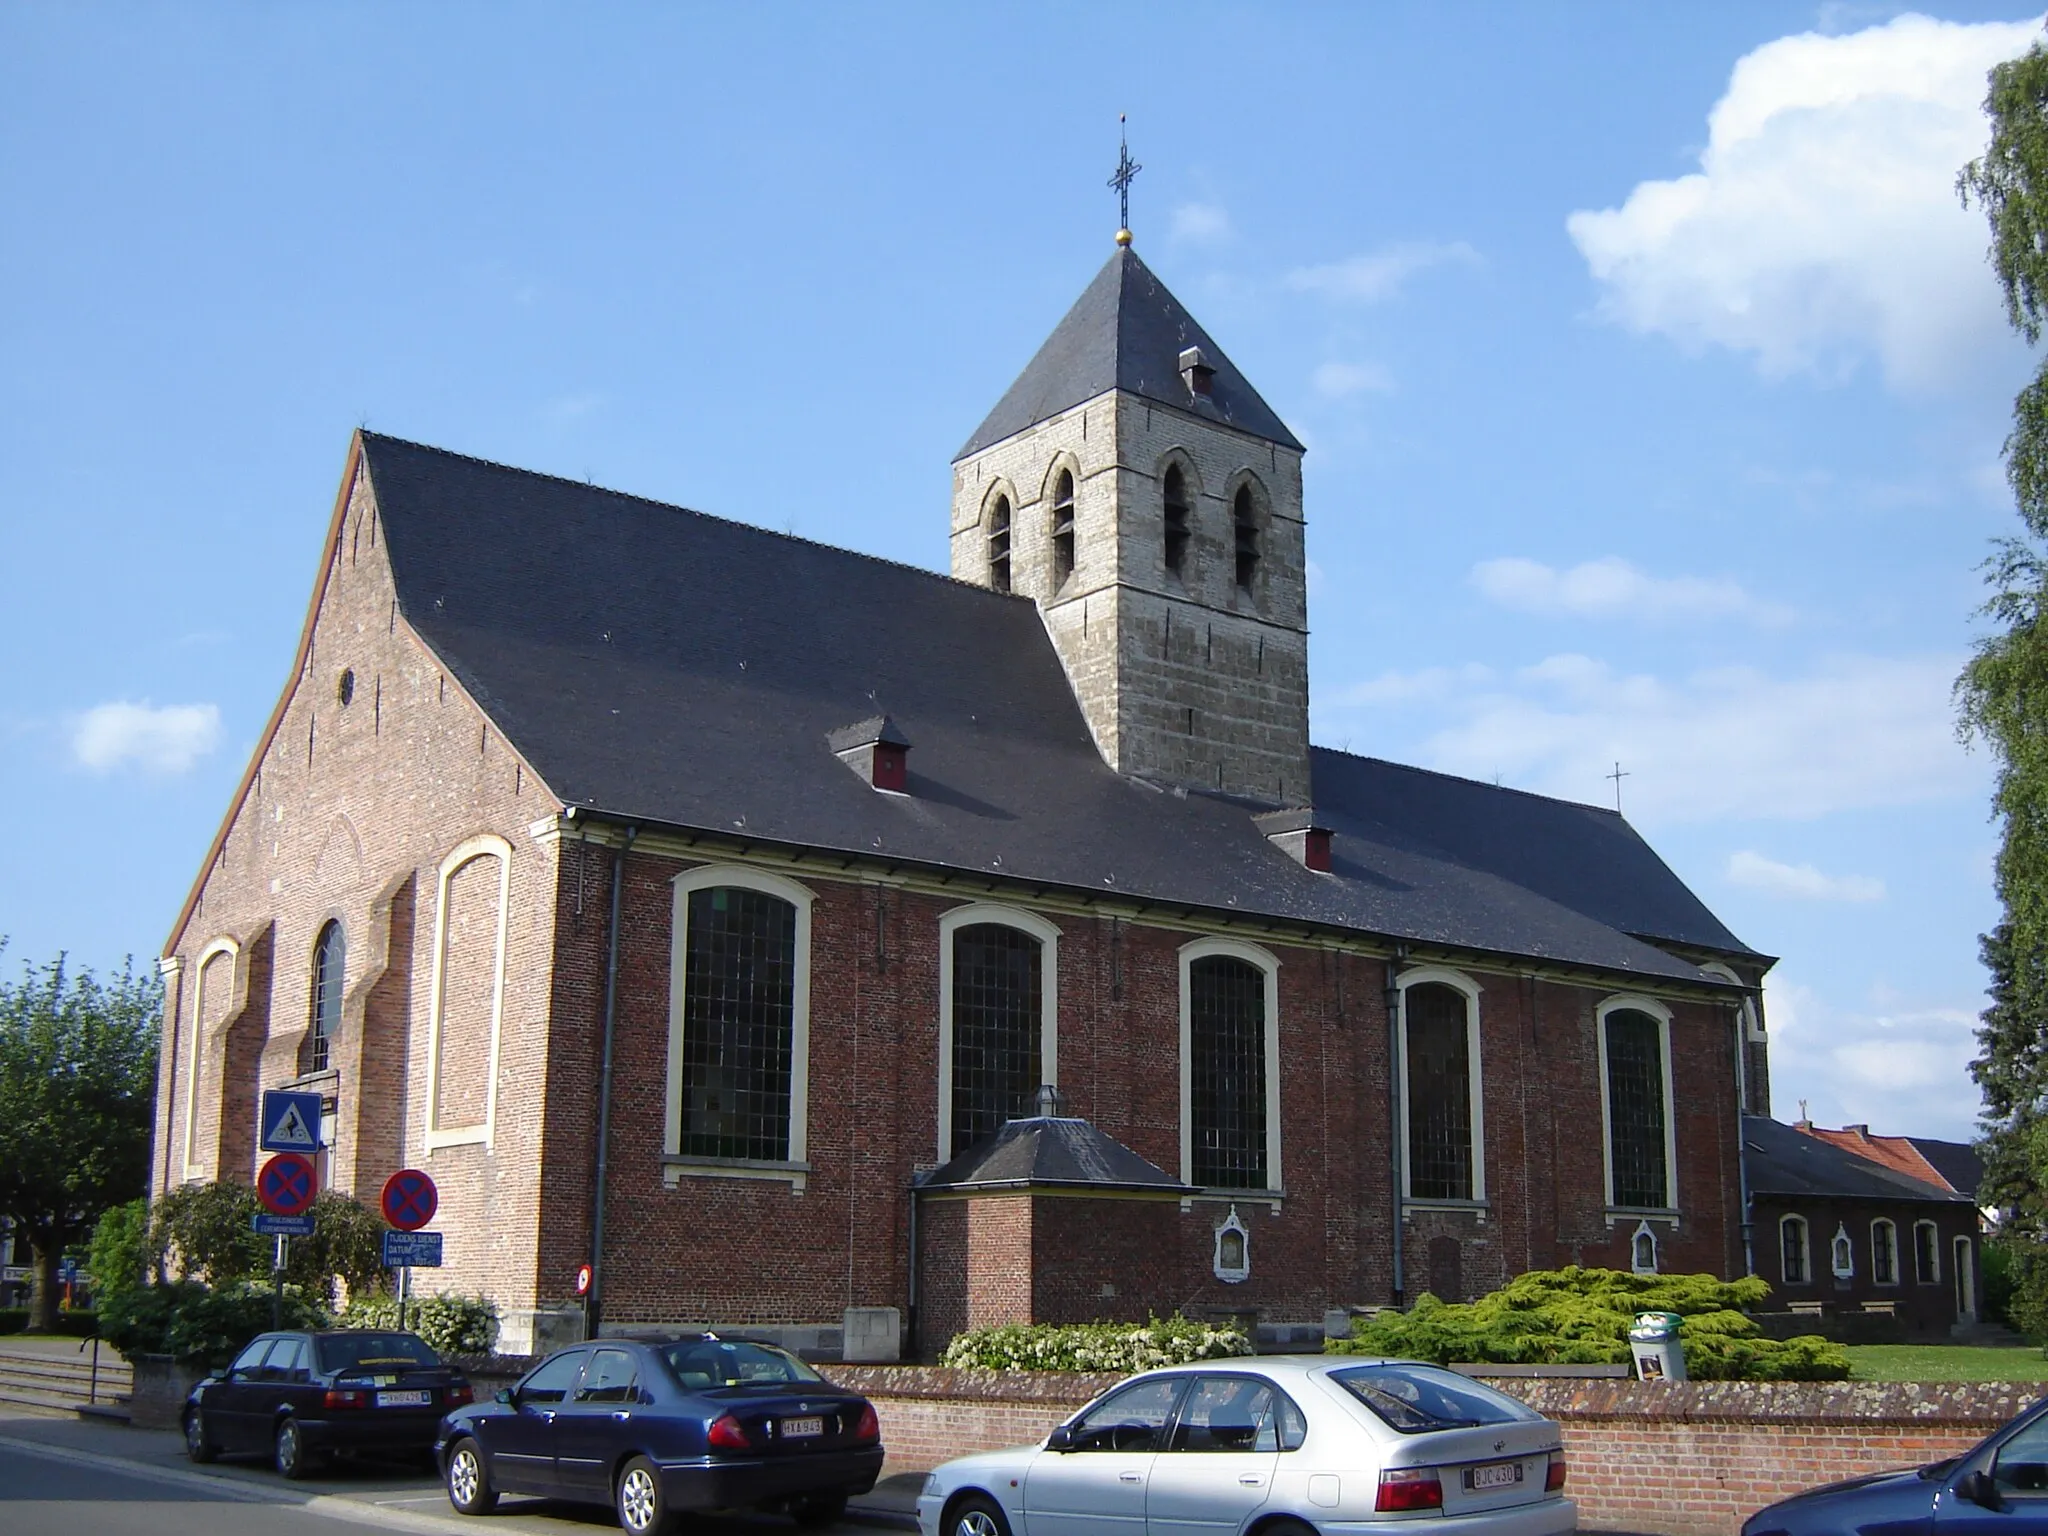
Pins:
<point x="1094" y="1346"/>
<point x="451" y="1325"/>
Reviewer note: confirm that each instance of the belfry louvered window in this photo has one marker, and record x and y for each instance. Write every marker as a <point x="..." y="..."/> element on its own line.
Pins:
<point x="1636" y="1111"/>
<point x="739" y="1010"/>
<point x="1062" y="529"/>
<point x="330" y="956"/>
<point x="1439" y="1065"/>
<point x="1245" y="520"/>
<point x="998" y="1011"/>
<point x="999" y="544"/>
<point x="1227" y="1072"/>
<point x="1177" y="530"/>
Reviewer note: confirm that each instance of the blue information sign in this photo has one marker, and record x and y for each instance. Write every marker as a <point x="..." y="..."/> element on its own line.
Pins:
<point x="284" y="1226"/>
<point x="412" y="1250"/>
<point x="291" y="1121"/>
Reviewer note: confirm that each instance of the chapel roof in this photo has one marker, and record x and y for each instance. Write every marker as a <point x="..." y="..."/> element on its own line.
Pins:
<point x="1952" y="1164"/>
<point x="1051" y="1151"/>
<point x="1126" y="331"/>
<point x="1781" y="1159"/>
<point x="656" y="664"/>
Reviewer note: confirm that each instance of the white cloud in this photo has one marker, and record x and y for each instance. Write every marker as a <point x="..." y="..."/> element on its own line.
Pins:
<point x="1853" y="732"/>
<point x="166" y="740"/>
<point x="1801" y="882"/>
<point x="1601" y="588"/>
<point x="1201" y="223"/>
<point x="1900" y="1069"/>
<point x="1337" y="380"/>
<point x="1380" y="274"/>
<point x="1823" y="223"/>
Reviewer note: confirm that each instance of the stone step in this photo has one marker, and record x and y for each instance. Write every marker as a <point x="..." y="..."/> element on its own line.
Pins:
<point x="63" y="1373"/>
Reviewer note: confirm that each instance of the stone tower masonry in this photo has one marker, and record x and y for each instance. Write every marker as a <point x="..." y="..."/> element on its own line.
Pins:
<point x="1135" y="485"/>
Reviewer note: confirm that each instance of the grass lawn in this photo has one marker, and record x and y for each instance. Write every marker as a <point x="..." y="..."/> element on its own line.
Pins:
<point x="1944" y="1362"/>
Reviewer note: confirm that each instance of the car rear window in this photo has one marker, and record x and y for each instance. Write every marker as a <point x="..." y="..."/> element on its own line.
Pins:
<point x="1418" y="1398"/>
<point x="372" y="1351"/>
<point x="705" y="1363"/>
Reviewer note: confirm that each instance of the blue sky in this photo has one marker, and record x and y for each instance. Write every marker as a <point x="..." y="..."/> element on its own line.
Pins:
<point x="1652" y="378"/>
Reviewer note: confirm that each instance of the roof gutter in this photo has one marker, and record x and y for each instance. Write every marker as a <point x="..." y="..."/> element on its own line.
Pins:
<point x="594" y="1303"/>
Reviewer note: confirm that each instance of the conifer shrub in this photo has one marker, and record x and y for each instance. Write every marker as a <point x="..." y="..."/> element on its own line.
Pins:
<point x="1123" y="1347"/>
<point x="1576" y="1316"/>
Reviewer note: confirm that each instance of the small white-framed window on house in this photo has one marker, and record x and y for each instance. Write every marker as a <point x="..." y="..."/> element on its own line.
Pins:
<point x="1441" y="1104"/>
<point x="1842" y="1253"/>
<point x="1926" y="1253"/>
<point x="1642" y="1250"/>
<point x="1964" y="1273"/>
<point x="1635" y="1104"/>
<point x="1884" y="1251"/>
<point x="1232" y="1261"/>
<point x="1795" y="1263"/>
<point x="739" y="1031"/>
<point x="1229" y="1065"/>
<point x="998" y="1019"/>
<point x="466" y="1001"/>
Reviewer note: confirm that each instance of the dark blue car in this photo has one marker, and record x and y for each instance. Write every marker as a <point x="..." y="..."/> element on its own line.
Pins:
<point x="656" y="1427"/>
<point x="1999" y="1486"/>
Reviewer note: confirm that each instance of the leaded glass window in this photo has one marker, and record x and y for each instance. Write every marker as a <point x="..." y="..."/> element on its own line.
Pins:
<point x="330" y="956"/>
<point x="1227" y="1072"/>
<point x="739" y="1019"/>
<point x="1792" y="1250"/>
<point x="1636" y="1110"/>
<point x="998" y="1011"/>
<point x="1439" y="1093"/>
<point x="1884" y="1252"/>
<point x="1926" y="1253"/>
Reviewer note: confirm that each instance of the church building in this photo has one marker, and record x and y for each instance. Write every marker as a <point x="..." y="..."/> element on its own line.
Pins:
<point x="837" y="949"/>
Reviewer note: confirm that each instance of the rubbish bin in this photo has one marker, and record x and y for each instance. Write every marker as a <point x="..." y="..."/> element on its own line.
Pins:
<point x="1654" y="1342"/>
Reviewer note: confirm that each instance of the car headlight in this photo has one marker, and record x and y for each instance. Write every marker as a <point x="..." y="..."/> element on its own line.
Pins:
<point x="931" y="1485"/>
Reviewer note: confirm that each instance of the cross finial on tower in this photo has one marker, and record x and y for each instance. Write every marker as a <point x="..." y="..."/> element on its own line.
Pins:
<point x="1126" y="168"/>
<point x="1618" y="775"/>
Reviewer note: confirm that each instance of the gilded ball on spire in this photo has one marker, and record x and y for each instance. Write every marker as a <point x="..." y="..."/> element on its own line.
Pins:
<point x="1123" y="237"/>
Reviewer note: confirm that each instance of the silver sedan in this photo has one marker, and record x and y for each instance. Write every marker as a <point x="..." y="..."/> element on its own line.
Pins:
<point x="1283" y="1445"/>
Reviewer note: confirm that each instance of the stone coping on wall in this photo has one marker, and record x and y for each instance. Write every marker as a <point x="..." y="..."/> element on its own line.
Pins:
<point x="949" y="1382"/>
<point x="1979" y="1405"/>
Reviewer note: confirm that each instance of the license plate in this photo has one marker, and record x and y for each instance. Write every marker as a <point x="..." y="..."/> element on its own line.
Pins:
<point x="797" y="1429"/>
<point x="404" y="1399"/>
<point x="1499" y="1474"/>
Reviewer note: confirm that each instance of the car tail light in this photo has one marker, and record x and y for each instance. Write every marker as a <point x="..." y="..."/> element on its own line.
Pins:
<point x="1553" y="1480"/>
<point x="345" y="1397"/>
<point x="727" y="1434"/>
<point x="460" y="1394"/>
<point x="867" y="1426"/>
<point x="1409" y="1488"/>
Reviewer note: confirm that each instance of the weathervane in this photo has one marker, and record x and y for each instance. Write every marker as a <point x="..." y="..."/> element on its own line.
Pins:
<point x="1126" y="168"/>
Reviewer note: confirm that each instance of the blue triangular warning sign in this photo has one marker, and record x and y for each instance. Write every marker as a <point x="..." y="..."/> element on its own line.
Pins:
<point x="291" y="1129"/>
<point x="291" y="1122"/>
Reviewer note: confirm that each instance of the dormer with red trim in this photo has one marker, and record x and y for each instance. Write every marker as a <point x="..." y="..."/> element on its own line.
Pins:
<point x="1298" y="834"/>
<point x="877" y="750"/>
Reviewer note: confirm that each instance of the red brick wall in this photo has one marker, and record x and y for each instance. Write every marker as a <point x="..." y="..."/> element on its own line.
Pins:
<point x="1927" y="1309"/>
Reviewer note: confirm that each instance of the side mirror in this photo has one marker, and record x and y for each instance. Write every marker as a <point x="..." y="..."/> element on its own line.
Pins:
<point x="504" y="1395"/>
<point x="1061" y="1439"/>
<point x="1979" y="1488"/>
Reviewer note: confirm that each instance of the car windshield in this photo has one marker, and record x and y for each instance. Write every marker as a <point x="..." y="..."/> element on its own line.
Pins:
<point x="730" y="1363"/>
<point x="374" y="1351"/>
<point x="1418" y="1398"/>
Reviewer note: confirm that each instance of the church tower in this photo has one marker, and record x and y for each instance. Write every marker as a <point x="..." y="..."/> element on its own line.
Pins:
<point x="1135" y="485"/>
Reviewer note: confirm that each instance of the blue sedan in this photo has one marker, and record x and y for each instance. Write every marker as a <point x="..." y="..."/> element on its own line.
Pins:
<point x="2001" y="1485"/>
<point x="654" y="1428"/>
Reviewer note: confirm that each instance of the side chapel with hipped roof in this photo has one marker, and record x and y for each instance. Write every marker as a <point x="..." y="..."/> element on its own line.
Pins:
<point x="829" y="947"/>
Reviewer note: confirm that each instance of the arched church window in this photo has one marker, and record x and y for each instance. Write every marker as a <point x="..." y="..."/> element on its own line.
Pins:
<point x="1884" y="1251"/>
<point x="1177" y="531"/>
<point x="1439" y="1065"/>
<point x="1062" y="529"/>
<point x="1245" y="518"/>
<point x="1637" y="1113"/>
<point x="1227" y="1072"/>
<point x="998" y="1016"/>
<point x="999" y="545"/>
<point x="330" y="957"/>
<point x="738" y="1034"/>
<point x="1794" y="1267"/>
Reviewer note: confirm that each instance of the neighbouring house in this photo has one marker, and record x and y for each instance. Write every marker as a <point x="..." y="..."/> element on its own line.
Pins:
<point x="710" y="906"/>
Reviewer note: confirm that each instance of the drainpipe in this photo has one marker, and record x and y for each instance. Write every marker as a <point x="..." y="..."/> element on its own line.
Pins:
<point x="594" y="1304"/>
<point x="1739" y="1013"/>
<point x="910" y="1308"/>
<point x="1395" y="1133"/>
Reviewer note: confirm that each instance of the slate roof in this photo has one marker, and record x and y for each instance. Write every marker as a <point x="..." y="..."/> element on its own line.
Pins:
<point x="1126" y="331"/>
<point x="1045" y="1151"/>
<point x="1783" y="1160"/>
<point x="1956" y="1161"/>
<point x="660" y="665"/>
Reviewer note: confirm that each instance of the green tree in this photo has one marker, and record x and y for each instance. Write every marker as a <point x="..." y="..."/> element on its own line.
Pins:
<point x="77" y="1084"/>
<point x="207" y="1232"/>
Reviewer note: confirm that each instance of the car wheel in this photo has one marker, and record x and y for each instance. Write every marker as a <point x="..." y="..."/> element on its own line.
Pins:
<point x="469" y="1485"/>
<point x="977" y="1515"/>
<point x="197" y="1444"/>
<point x="642" y="1510"/>
<point x="815" y="1509"/>
<point x="293" y="1460"/>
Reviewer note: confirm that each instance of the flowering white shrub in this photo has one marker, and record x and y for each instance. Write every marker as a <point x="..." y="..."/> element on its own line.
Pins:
<point x="1120" y="1347"/>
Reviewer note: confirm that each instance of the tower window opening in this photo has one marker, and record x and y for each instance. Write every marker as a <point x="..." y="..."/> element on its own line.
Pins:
<point x="999" y="545"/>
<point x="1247" y="524"/>
<point x="1062" y="529"/>
<point x="1176" y="521"/>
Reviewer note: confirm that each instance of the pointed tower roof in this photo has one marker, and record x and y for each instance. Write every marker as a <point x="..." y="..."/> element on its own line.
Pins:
<point x="1126" y="332"/>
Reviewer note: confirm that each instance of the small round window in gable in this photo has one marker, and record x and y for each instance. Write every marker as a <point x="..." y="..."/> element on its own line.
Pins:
<point x="345" y="690"/>
<point x="1233" y="1250"/>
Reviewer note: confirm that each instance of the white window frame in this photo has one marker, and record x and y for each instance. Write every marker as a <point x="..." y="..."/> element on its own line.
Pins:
<point x="746" y="877"/>
<point x="1628" y="1003"/>
<point x="1048" y="997"/>
<point x="1268" y="965"/>
<point x="484" y="845"/>
<point x="1891" y="1229"/>
<point x="1644" y="1232"/>
<point x="195" y="1067"/>
<point x="1457" y="981"/>
<point x="1962" y="1254"/>
<point x="1933" y="1248"/>
<point x="1805" y="1249"/>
